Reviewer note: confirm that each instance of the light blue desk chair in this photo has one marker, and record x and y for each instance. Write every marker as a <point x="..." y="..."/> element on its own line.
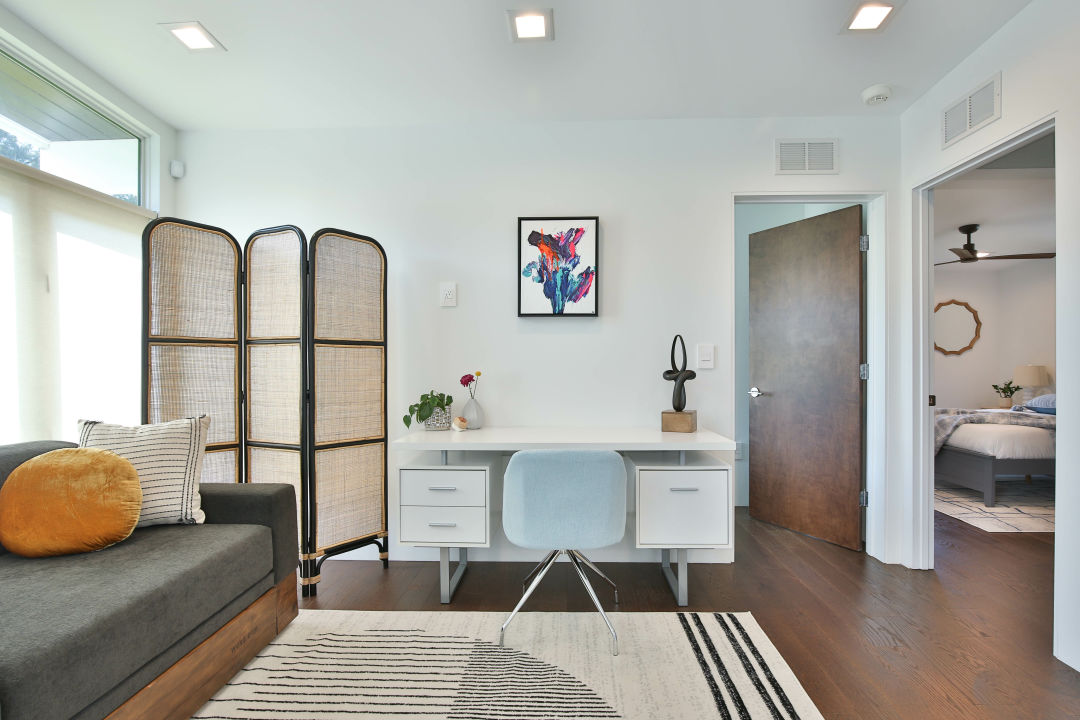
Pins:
<point x="569" y="500"/>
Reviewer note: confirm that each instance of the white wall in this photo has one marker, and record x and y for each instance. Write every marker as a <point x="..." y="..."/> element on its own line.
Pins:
<point x="444" y="203"/>
<point x="1016" y="307"/>
<point x="1039" y="59"/>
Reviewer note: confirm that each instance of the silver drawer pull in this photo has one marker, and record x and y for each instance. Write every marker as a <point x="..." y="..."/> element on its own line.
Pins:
<point x="450" y="488"/>
<point x="442" y="524"/>
<point x="683" y="489"/>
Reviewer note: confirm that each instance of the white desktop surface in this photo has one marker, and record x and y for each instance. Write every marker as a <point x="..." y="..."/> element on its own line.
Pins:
<point x="549" y="438"/>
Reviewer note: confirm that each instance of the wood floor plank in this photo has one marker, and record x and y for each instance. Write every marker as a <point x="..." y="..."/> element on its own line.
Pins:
<point x="971" y="639"/>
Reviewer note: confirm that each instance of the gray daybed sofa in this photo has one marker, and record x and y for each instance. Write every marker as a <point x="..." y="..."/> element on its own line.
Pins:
<point x="151" y="627"/>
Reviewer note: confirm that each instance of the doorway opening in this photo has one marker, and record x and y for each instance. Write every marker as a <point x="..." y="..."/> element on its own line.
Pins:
<point x="993" y="367"/>
<point x="754" y="214"/>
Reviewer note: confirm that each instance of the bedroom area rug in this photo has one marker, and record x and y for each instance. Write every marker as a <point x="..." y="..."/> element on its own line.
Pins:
<point x="1020" y="507"/>
<point x="432" y="665"/>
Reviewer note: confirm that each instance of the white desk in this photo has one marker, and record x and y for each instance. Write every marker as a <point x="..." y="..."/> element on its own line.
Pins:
<point x="687" y="494"/>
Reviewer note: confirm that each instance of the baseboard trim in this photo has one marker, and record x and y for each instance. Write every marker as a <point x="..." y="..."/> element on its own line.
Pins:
<point x="193" y="679"/>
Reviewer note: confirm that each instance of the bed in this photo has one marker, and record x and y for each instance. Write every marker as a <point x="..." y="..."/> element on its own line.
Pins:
<point x="975" y="447"/>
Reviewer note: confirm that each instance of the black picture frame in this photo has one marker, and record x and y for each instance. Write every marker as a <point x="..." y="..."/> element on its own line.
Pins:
<point x="531" y="300"/>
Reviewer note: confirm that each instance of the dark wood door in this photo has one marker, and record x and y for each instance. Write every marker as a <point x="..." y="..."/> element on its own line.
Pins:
<point x="806" y="344"/>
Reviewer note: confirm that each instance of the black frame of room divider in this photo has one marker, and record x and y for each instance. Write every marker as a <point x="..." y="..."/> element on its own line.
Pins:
<point x="311" y="558"/>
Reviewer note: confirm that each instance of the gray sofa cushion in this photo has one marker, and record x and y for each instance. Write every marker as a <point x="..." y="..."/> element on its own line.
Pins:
<point x="73" y="627"/>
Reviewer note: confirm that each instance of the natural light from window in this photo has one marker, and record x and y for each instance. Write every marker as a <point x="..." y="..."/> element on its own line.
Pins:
<point x="100" y="320"/>
<point x="9" y="361"/>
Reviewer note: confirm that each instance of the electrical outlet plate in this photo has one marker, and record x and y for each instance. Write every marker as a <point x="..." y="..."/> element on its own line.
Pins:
<point x="448" y="294"/>
<point x="706" y="359"/>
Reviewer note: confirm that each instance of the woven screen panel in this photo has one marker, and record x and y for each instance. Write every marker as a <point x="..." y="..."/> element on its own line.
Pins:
<point x="271" y="465"/>
<point x="192" y="283"/>
<point x="349" y="493"/>
<point x="191" y="380"/>
<point x="219" y="466"/>
<point x="349" y="390"/>
<point x="274" y="390"/>
<point x="274" y="286"/>
<point x="349" y="277"/>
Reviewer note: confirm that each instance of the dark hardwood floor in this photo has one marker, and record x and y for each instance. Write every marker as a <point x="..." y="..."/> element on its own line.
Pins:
<point x="971" y="639"/>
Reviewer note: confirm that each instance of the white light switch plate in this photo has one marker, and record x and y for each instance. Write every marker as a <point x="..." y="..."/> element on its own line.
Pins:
<point x="705" y="357"/>
<point x="448" y="294"/>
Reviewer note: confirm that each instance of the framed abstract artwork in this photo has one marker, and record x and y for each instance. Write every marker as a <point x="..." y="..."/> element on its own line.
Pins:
<point x="558" y="266"/>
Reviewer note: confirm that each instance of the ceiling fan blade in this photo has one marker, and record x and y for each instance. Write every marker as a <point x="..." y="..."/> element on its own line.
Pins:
<point x="950" y="262"/>
<point x="1022" y="256"/>
<point x="963" y="253"/>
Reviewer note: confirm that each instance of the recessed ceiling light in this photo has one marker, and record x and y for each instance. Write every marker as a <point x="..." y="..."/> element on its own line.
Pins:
<point x="531" y="25"/>
<point x="193" y="35"/>
<point x="870" y="16"/>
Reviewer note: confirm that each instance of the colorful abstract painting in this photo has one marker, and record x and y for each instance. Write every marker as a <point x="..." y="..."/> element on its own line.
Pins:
<point x="558" y="266"/>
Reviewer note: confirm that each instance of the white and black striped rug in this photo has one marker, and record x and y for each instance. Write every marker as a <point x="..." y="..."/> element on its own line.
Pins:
<point x="427" y="666"/>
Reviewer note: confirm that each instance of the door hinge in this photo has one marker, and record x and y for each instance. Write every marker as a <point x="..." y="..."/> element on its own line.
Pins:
<point x="864" y="243"/>
<point x="864" y="371"/>
<point x="243" y="277"/>
<point x="864" y="498"/>
<point x="933" y="401"/>
<point x="243" y="397"/>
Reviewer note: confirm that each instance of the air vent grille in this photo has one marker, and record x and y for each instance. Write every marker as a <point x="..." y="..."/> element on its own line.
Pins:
<point x="978" y="108"/>
<point x="806" y="156"/>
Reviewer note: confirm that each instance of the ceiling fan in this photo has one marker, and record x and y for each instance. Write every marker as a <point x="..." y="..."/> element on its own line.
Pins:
<point x="968" y="253"/>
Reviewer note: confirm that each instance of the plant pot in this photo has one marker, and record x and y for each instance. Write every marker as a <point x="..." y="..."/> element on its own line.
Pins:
<point x="439" y="420"/>
<point x="1005" y="402"/>
<point x="473" y="414"/>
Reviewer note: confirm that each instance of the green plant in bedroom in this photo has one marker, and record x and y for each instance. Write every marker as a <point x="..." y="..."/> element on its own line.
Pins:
<point x="423" y="410"/>
<point x="1007" y="390"/>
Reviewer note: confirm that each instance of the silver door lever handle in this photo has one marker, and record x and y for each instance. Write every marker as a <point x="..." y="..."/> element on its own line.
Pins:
<point x="754" y="392"/>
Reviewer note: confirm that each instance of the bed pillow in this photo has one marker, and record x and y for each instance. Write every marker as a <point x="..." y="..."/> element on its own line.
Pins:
<point x="69" y="501"/>
<point x="168" y="457"/>
<point x="1043" y="410"/>
<point x="1043" y="401"/>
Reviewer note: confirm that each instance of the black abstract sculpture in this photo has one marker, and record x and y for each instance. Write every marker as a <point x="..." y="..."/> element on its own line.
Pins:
<point x="679" y="376"/>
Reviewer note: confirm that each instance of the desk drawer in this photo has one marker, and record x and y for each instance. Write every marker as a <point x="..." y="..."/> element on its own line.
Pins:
<point x="683" y="508"/>
<point x="445" y="488"/>
<point x="443" y="525"/>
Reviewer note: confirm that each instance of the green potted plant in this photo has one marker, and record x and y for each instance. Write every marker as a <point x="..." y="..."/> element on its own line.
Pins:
<point x="433" y="410"/>
<point x="1005" y="392"/>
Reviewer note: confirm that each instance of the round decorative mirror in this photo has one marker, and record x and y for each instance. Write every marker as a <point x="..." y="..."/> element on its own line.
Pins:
<point x="956" y="327"/>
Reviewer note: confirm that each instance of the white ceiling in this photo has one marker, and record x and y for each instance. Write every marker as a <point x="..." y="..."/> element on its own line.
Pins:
<point x="296" y="63"/>
<point x="1014" y="209"/>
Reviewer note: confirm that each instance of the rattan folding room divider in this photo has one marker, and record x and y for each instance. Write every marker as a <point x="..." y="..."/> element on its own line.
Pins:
<point x="283" y="344"/>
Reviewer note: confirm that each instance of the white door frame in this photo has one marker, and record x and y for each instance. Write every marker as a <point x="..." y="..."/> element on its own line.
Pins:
<point x="876" y="340"/>
<point x="923" y="299"/>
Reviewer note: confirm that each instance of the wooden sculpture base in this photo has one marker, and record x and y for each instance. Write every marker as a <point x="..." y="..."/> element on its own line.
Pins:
<point x="685" y="422"/>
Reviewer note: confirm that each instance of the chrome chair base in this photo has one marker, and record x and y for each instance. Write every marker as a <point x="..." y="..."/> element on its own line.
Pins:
<point x="538" y="573"/>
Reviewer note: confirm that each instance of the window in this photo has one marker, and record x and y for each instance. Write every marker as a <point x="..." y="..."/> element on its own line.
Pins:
<point x="45" y="127"/>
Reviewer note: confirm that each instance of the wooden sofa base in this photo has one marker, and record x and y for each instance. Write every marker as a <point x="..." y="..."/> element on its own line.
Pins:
<point x="193" y="679"/>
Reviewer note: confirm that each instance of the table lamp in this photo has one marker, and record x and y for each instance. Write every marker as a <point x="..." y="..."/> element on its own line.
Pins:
<point x="1030" y="377"/>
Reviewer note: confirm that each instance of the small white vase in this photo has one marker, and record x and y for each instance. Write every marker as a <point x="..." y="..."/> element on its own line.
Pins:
<point x="473" y="414"/>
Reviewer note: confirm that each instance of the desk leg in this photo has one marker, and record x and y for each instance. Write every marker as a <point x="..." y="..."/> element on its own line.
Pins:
<point x="677" y="583"/>
<point x="448" y="584"/>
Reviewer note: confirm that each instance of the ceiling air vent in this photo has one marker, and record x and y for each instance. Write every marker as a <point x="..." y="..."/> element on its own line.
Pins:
<point x="979" y="107"/>
<point x="803" y="156"/>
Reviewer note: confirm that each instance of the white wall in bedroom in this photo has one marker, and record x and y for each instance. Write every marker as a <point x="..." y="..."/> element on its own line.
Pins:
<point x="444" y="201"/>
<point x="1016" y="307"/>
<point x="1037" y="55"/>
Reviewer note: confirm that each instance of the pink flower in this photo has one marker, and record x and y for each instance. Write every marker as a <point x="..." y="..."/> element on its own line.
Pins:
<point x="467" y="380"/>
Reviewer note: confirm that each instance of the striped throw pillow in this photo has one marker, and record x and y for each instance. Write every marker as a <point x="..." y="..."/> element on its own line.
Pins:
<point x="168" y="458"/>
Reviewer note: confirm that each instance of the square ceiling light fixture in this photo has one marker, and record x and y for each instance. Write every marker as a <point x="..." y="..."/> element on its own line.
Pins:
<point x="193" y="35"/>
<point x="529" y="25"/>
<point x="871" y="16"/>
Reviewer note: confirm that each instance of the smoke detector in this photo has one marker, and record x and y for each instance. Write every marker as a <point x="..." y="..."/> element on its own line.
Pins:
<point x="876" y="94"/>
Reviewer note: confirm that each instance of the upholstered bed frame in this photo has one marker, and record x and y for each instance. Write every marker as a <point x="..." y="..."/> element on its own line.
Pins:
<point x="979" y="471"/>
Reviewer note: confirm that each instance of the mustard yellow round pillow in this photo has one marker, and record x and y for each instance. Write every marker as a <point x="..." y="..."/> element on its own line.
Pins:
<point x="69" y="501"/>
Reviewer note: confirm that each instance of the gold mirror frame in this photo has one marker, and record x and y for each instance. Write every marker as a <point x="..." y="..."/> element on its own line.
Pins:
<point x="978" y="327"/>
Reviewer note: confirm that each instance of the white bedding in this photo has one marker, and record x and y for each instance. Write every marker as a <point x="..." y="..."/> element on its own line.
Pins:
<point x="1005" y="442"/>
